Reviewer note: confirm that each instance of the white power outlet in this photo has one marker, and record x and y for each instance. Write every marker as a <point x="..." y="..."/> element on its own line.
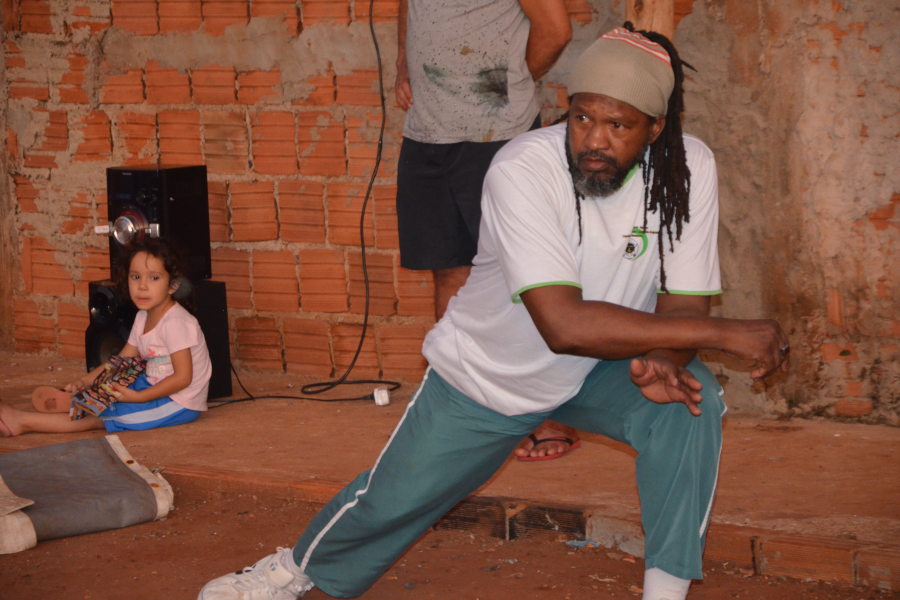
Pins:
<point x="382" y="396"/>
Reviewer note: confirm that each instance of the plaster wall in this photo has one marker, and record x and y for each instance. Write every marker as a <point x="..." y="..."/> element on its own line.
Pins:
<point x="800" y="103"/>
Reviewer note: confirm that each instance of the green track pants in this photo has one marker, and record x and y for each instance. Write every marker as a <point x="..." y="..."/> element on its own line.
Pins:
<point x="446" y="446"/>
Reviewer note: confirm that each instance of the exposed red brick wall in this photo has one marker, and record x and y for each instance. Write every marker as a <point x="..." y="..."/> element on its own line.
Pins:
<point x="275" y="287"/>
<point x="301" y="211"/>
<point x="259" y="86"/>
<point x="345" y="202"/>
<point x="306" y="347"/>
<point x="179" y="137"/>
<point x="35" y="330"/>
<point x="166" y="86"/>
<point x="274" y="146"/>
<point x="323" y="281"/>
<point x="259" y="343"/>
<point x="401" y="350"/>
<point x="72" y="321"/>
<point x="180" y="15"/>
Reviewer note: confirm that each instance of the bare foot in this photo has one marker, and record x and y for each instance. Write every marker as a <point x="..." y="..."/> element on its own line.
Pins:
<point x="9" y="421"/>
<point x="551" y="447"/>
<point x="48" y="399"/>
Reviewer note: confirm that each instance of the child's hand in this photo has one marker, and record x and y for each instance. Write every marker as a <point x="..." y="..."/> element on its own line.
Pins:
<point x="126" y="394"/>
<point x="75" y="386"/>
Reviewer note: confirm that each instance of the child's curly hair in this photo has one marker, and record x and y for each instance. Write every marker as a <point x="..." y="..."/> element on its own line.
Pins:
<point x="170" y="255"/>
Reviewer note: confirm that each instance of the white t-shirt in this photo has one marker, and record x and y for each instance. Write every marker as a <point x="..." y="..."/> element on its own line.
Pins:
<point x="176" y="330"/>
<point x="486" y="345"/>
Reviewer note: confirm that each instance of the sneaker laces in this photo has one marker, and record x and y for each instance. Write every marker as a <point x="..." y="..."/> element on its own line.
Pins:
<point x="259" y="579"/>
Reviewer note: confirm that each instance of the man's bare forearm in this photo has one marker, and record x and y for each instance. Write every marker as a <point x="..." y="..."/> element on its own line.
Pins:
<point x="571" y="325"/>
<point x="683" y="306"/>
<point x="678" y="357"/>
<point x="612" y="332"/>
<point x="550" y="32"/>
<point x="401" y="33"/>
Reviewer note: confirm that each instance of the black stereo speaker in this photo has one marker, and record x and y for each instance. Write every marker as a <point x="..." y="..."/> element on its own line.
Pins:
<point x="170" y="202"/>
<point x="112" y="316"/>
<point x="211" y="310"/>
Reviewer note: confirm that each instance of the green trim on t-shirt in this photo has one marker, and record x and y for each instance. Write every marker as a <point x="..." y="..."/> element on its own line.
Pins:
<point x="517" y="297"/>
<point x="631" y="173"/>
<point x="683" y="293"/>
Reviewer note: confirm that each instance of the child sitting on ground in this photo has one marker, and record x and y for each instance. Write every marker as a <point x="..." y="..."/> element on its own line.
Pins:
<point x="172" y="389"/>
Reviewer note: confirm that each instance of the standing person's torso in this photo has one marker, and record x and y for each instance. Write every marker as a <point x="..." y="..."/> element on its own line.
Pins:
<point x="467" y="71"/>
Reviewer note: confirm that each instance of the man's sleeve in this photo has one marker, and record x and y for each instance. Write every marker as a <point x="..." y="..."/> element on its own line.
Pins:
<point x="693" y="267"/>
<point x="520" y="214"/>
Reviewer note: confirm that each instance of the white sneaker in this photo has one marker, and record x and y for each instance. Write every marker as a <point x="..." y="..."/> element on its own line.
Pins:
<point x="268" y="579"/>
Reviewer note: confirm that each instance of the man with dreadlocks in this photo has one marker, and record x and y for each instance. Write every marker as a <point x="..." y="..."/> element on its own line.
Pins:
<point x="587" y="303"/>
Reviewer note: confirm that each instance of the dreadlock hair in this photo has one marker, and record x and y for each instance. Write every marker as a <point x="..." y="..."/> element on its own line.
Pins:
<point x="667" y="178"/>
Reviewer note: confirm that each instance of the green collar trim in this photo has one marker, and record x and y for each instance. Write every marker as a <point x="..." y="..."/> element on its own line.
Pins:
<point x="631" y="173"/>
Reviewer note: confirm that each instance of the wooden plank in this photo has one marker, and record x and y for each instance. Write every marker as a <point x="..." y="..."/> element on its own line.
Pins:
<point x="10" y="10"/>
<point x="652" y="15"/>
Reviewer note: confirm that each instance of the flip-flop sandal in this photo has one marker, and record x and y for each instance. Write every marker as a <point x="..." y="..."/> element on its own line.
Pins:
<point x="573" y="445"/>
<point x="48" y="399"/>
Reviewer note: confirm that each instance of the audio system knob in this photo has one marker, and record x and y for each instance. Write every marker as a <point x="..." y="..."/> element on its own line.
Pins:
<point x="131" y="226"/>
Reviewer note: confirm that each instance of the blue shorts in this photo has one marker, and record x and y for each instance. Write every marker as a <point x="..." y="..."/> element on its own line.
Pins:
<point x="140" y="416"/>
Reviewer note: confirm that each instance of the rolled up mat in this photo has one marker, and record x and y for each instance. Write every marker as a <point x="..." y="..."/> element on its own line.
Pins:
<point x="75" y="488"/>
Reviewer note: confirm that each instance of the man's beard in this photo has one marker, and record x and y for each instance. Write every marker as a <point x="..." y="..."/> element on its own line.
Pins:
<point x="592" y="186"/>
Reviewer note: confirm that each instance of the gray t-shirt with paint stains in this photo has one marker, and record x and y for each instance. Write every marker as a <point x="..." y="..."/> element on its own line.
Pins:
<point x="467" y="71"/>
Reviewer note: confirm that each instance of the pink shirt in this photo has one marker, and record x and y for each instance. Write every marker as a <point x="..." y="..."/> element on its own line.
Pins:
<point x="176" y="330"/>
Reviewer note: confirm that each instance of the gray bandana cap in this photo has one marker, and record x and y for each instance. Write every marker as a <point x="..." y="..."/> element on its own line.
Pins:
<point x="628" y="67"/>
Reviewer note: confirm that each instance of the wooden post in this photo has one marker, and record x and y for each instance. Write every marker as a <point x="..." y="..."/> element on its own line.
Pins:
<point x="10" y="9"/>
<point x="652" y="15"/>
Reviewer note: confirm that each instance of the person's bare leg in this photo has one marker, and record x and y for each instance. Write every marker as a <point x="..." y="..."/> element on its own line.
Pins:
<point x="550" y="429"/>
<point x="20" y="421"/>
<point x="446" y="284"/>
<point x="48" y="399"/>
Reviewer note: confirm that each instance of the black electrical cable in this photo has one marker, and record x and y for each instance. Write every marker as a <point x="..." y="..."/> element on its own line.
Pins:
<point x="324" y="386"/>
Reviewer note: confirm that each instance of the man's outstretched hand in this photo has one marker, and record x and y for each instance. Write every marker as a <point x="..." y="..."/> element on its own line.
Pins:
<point x="663" y="381"/>
<point x="762" y="341"/>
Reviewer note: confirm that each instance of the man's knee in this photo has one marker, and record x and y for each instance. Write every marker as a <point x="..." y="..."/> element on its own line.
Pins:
<point x="712" y="392"/>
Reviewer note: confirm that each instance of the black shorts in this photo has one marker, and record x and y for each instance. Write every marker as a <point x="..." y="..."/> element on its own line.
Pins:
<point x="439" y="201"/>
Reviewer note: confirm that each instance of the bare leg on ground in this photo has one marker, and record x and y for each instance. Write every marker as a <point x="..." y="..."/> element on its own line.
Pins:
<point x="20" y="421"/>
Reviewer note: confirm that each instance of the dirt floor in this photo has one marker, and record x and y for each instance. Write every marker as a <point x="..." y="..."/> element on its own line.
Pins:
<point x="205" y="537"/>
<point x="820" y="478"/>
